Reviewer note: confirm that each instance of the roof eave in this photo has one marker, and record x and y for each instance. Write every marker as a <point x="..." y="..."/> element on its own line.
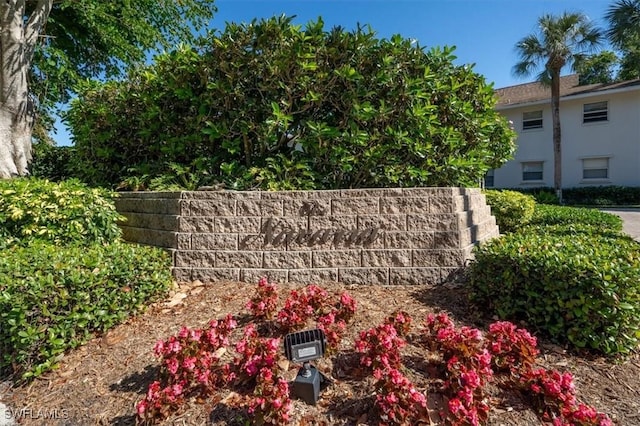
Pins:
<point x="570" y="97"/>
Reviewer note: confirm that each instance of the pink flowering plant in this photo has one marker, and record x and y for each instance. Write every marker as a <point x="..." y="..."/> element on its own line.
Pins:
<point x="397" y="399"/>
<point x="513" y="349"/>
<point x="379" y="347"/>
<point x="189" y="363"/>
<point x="270" y="404"/>
<point x="553" y="394"/>
<point x="265" y="302"/>
<point x="255" y="354"/>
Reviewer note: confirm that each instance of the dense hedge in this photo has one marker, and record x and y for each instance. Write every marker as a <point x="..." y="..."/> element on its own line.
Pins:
<point x="572" y="276"/>
<point x="54" y="298"/>
<point x="269" y="104"/>
<point x="61" y="213"/>
<point x="511" y="209"/>
<point x="602" y="195"/>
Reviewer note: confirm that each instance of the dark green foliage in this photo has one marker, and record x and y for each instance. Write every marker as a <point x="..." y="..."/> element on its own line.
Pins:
<point x="511" y="209"/>
<point x="54" y="163"/>
<point x="602" y="195"/>
<point x="61" y="213"/>
<point x="572" y="276"/>
<point x="54" y="298"/>
<point x="275" y="106"/>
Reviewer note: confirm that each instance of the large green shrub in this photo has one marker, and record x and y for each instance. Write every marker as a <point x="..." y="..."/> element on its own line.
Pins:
<point x="511" y="209"/>
<point x="60" y="213"/>
<point x="54" y="298"/>
<point x="272" y="105"/>
<point x="576" y="287"/>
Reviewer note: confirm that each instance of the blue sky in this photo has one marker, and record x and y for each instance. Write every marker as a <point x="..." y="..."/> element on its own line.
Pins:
<point x="483" y="31"/>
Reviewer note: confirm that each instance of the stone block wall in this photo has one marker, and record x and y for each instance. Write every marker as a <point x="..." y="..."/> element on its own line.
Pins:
<point x="358" y="236"/>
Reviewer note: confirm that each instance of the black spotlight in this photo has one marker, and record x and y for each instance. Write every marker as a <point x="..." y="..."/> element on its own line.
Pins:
<point x="305" y="346"/>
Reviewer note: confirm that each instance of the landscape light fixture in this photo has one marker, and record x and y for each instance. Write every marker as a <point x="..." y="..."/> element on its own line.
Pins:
<point x="303" y="347"/>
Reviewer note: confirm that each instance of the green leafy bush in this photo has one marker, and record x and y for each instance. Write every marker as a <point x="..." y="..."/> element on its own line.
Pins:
<point x="54" y="298"/>
<point x="577" y="287"/>
<point x="61" y="213"/>
<point x="562" y="216"/>
<point x="270" y="104"/>
<point x="511" y="209"/>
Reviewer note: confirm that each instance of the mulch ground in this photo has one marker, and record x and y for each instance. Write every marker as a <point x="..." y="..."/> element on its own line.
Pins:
<point x="100" y="382"/>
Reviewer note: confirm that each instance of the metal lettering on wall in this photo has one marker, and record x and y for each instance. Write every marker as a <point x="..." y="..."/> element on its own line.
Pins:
<point x="275" y="236"/>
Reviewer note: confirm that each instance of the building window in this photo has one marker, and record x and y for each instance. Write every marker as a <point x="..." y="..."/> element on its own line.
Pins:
<point x="595" y="168"/>
<point x="488" y="179"/>
<point x="597" y="111"/>
<point x="532" y="120"/>
<point x="532" y="170"/>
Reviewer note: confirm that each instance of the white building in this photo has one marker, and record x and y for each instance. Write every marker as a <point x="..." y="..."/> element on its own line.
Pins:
<point x="600" y="135"/>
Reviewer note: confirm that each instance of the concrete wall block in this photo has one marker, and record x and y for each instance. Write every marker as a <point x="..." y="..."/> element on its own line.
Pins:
<point x="214" y="242"/>
<point x="432" y="222"/>
<point x="237" y="224"/>
<point x="287" y="260"/>
<point x="281" y="223"/>
<point x="151" y="221"/>
<point x="431" y="192"/>
<point x="183" y="241"/>
<point x="166" y="239"/>
<point x="392" y="222"/>
<point x="182" y="275"/>
<point x="415" y="276"/>
<point x="409" y="240"/>
<point x="336" y="259"/>
<point x="386" y="258"/>
<point x="325" y="193"/>
<point x="254" y="275"/>
<point x="372" y="276"/>
<point x="195" y="259"/>
<point x="284" y="195"/>
<point x="259" y="207"/>
<point x="313" y="276"/>
<point x="439" y="258"/>
<point x="210" y="275"/>
<point x="147" y="205"/>
<point x="333" y="222"/>
<point x="355" y="206"/>
<point x="446" y="240"/>
<point x="223" y="207"/>
<point x="166" y="195"/>
<point x="222" y="195"/>
<point x="372" y="192"/>
<point x="442" y="205"/>
<point x="404" y="205"/>
<point x="196" y="224"/>
<point x="254" y="242"/>
<point x="451" y="274"/>
<point x="305" y="207"/>
<point x="238" y="259"/>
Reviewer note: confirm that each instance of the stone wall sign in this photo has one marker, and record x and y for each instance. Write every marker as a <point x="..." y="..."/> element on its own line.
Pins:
<point x="375" y="236"/>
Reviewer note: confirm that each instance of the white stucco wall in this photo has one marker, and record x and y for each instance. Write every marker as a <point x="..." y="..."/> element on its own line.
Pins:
<point x="618" y="139"/>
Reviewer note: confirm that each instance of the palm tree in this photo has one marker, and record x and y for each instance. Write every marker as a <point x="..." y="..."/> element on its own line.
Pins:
<point x="623" y="18"/>
<point x="559" y="42"/>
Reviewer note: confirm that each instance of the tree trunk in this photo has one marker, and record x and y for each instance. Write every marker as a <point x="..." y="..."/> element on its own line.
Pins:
<point x="18" y="37"/>
<point x="557" y="136"/>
